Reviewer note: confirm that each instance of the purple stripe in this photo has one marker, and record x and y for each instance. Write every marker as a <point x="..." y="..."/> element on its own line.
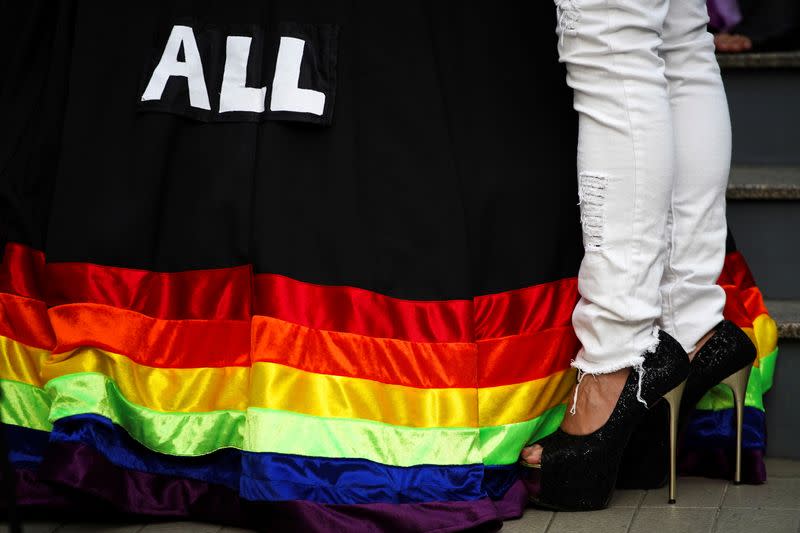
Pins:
<point x="78" y="466"/>
<point x="720" y="463"/>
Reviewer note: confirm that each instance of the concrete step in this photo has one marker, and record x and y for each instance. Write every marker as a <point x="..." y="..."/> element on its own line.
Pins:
<point x="783" y="424"/>
<point x="764" y="100"/>
<point x="787" y="314"/>
<point x="757" y="60"/>
<point x="764" y="182"/>
<point x="766" y="232"/>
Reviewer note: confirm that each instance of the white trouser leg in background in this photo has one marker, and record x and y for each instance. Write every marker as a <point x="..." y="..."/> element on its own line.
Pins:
<point x="625" y="172"/>
<point x="692" y="302"/>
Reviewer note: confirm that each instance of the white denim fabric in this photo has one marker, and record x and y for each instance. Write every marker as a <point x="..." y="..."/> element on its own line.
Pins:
<point x="653" y="161"/>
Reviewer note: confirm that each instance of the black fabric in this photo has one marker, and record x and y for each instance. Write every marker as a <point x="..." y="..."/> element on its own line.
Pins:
<point x="448" y="169"/>
<point x="771" y="24"/>
<point x="36" y="38"/>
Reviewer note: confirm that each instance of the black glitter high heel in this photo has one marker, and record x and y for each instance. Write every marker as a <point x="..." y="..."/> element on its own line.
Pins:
<point x="579" y="472"/>
<point x="727" y="357"/>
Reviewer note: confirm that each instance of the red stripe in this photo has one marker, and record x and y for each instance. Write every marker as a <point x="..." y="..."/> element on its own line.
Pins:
<point x="736" y="272"/>
<point x="21" y="271"/>
<point x="527" y="310"/>
<point x="225" y="294"/>
<point x="363" y="312"/>
<point x="219" y="294"/>
<point x="744" y="301"/>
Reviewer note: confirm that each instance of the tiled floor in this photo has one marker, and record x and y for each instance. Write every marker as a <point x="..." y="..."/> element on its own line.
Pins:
<point x="704" y="506"/>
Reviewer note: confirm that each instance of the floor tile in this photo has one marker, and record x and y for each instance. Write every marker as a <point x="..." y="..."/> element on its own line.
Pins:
<point x="749" y="520"/>
<point x="33" y="527"/>
<point x="674" y="519"/>
<point x="691" y="492"/>
<point x="533" y="521"/>
<point x="181" y="527"/>
<point x="91" y="527"/>
<point x="776" y="493"/>
<point x="627" y="498"/>
<point x="612" y="520"/>
<point x="777" y="467"/>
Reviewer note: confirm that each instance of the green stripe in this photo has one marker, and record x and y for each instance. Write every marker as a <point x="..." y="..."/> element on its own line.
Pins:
<point x="266" y="430"/>
<point x="24" y="405"/>
<point x="501" y="444"/>
<point x="767" y="367"/>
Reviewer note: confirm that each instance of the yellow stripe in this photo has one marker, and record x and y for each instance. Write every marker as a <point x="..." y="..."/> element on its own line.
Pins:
<point x="278" y="387"/>
<point x="752" y="336"/>
<point x="765" y="335"/>
<point x="509" y="404"/>
<point x="20" y="362"/>
<point x="287" y="389"/>
<point x="161" y="389"/>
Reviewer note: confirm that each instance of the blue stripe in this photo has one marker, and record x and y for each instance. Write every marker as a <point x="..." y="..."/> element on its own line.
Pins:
<point x="25" y="446"/>
<point x="276" y="477"/>
<point x="709" y="429"/>
<point x="112" y="441"/>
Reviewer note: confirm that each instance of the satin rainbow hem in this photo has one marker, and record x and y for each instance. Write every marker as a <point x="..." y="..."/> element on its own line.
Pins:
<point x="274" y="390"/>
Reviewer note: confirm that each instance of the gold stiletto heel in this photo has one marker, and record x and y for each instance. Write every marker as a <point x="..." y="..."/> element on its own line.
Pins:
<point x="673" y="398"/>
<point x="738" y="384"/>
<point x="726" y="358"/>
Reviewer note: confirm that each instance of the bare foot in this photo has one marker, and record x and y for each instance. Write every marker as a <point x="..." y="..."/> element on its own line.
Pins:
<point x="725" y="42"/>
<point x="597" y="397"/>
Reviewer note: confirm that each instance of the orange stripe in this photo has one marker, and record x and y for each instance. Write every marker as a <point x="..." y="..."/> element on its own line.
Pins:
<point x="414" y="364"/>
<point x="521" y="358"/>
<point x="152" y="341"/>
<point x="25" y="320"/>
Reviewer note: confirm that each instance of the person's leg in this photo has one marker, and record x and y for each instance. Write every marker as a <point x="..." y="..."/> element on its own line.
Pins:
<point x="625" y="172"/>
<point x="692" y="301"/>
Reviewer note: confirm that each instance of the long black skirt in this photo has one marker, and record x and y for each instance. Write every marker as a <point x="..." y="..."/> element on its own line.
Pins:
<point x="278" y="262"/>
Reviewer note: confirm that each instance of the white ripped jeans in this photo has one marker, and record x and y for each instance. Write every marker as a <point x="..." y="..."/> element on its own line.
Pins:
<point x="653" y="161"/>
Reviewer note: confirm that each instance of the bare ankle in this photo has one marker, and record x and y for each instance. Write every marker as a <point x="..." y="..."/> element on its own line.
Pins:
<point x="703" y="340"/>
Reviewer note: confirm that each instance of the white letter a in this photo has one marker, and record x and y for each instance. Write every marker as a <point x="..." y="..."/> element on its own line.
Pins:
<point x="191" y="69"/>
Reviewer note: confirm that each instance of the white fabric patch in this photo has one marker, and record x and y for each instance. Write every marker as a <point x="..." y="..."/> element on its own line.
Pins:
<point x="191" y="69"/>
<point x="286" y="95"/>
<point x="592" y="199"/>
<point x="569" y="14"/>
<point x="235" y="96"/>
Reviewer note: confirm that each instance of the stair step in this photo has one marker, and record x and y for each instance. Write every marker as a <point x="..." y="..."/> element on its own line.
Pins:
<point x="760" y="60"/>
<point x="765" y="114"/>
<point x="764" y="182"/>
<point x="787" y="314"/>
